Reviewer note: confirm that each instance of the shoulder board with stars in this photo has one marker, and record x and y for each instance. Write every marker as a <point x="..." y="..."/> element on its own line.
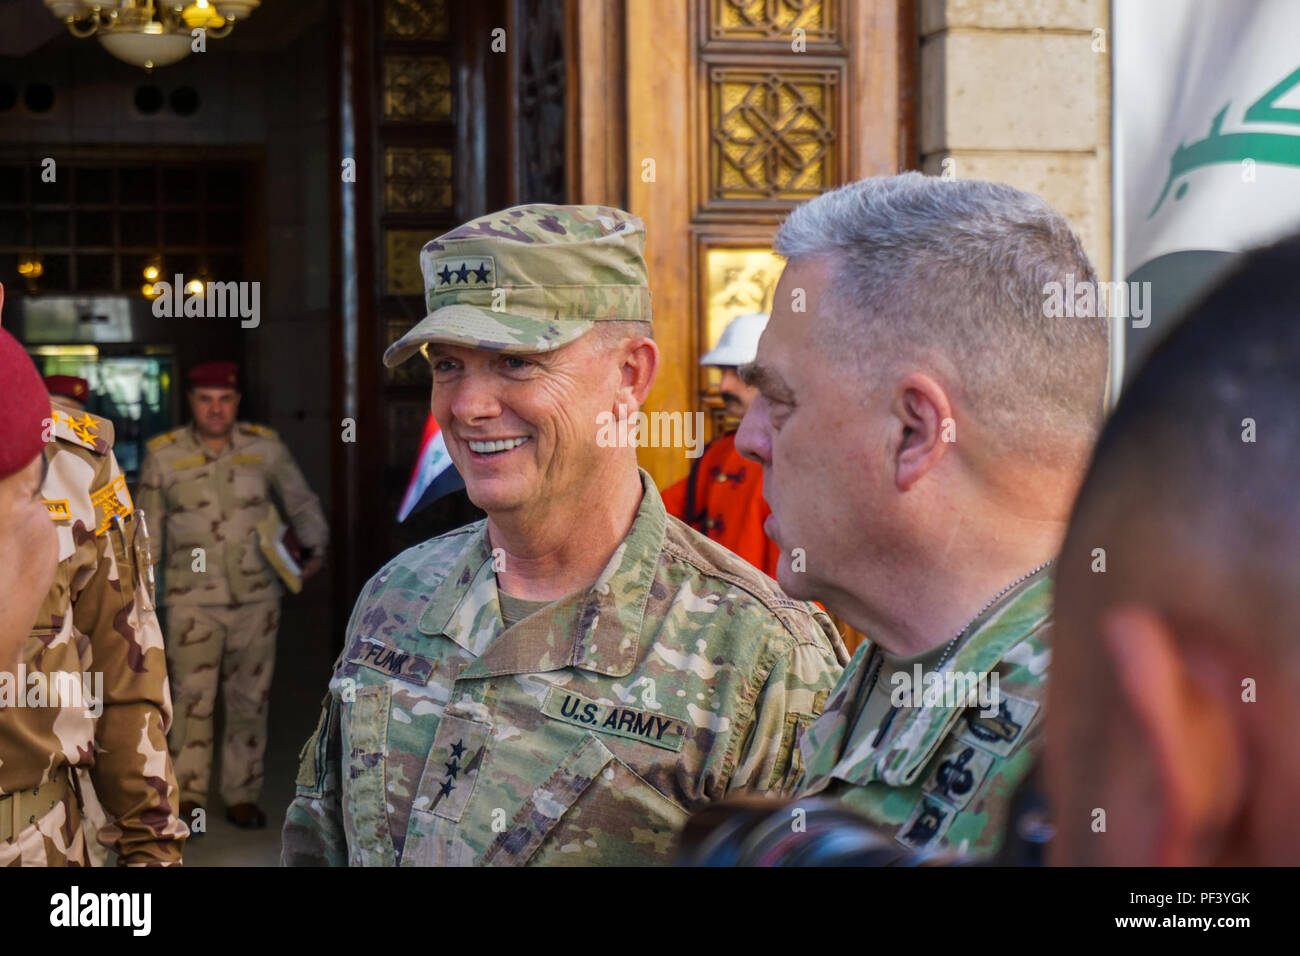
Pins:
<point x="83" y="429"/>
<point x="248" y="428"/>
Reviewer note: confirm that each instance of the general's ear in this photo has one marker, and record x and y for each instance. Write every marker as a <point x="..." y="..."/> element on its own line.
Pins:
<point x="925" y="428"/>
<point x="2" y="302"/>
<point x="1181" y="724"/>
<point x="639" y="365"/>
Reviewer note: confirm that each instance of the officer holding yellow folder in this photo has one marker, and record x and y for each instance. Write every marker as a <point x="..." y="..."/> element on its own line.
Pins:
<point x="216" y="481"/>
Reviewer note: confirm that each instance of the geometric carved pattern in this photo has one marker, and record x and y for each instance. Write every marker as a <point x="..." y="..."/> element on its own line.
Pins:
<point x="402" y="260"/>
<point x="416" y="19"/>
<point x="417" y="179"/>
<point x="540" y="129"/>
<point x="771" y="132"/>
<point x="417" y="88"/>
<point x="772" y="19"/>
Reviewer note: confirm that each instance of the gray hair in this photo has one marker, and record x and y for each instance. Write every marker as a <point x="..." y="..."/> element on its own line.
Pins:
<point x="611" y="333"/>
<point x="923" y="265"/>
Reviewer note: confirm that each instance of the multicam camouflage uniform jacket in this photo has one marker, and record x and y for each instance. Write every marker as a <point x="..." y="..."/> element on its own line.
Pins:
<point x="98" y="619"/>
<point x="214" y="503"/>
<point x="584" y="734"/>
<point x="940" y="777"/>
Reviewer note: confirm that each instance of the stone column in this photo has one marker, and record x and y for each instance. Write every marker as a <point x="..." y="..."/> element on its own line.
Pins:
<point x="1018" y="91"/>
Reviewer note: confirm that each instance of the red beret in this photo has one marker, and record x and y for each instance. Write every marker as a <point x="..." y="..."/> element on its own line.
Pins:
<point x="24" y="407"/>
<point x="68" y="386"/>
<point x="215" y="375"/>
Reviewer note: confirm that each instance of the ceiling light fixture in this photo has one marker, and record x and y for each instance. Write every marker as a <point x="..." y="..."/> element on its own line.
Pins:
<point x="150" y="33"/>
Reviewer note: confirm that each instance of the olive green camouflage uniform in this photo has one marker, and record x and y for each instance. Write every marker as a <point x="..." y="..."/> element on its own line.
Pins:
<point x="98" y="618"/>
<point x="222" y="602"/>
<point x="941" y="778"/>
<point x="586" y="732"/>
<point x="583" y="735"/>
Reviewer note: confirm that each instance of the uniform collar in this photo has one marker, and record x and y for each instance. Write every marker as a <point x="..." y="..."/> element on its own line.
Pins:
<point x="836" y="749"/>
<point x="235" y="440"/>
<point x="596" y="630"/>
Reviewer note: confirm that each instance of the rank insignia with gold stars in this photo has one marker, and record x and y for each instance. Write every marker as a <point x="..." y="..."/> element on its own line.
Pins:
<point x="82" y="429"/>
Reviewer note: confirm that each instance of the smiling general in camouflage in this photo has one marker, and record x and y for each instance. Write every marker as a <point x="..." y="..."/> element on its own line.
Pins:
<point x="563" y="682"/>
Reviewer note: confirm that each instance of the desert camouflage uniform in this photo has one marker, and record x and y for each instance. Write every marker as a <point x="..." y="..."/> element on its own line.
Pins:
<point x="584" y="734"/>
<point x="223" y="603"/>
<point x="942" y="778"/>
<point x="98" y="617"/>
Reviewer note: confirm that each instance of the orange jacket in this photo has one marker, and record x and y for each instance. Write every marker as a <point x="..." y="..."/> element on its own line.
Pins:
<point x="727" y="504"/>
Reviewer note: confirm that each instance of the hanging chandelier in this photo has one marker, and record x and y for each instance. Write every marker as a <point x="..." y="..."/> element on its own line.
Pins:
<point x="150" y="33"/>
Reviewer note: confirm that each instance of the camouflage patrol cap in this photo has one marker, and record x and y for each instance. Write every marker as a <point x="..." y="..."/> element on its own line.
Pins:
<point x="530" y="279"/>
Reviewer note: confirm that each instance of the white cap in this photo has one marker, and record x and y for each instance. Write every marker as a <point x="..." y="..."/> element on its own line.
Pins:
<point x="738" y="344"/>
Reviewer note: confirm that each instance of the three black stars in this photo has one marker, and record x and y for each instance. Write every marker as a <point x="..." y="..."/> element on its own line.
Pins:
<point x="448" y="275"/>
<point x="453" y="768"/>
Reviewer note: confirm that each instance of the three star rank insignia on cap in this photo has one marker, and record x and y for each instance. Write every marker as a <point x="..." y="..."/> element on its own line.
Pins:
<point x="451" y="272"/>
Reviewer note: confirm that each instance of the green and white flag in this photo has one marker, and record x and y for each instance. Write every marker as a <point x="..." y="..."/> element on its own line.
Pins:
<point x="1206" y="145"/>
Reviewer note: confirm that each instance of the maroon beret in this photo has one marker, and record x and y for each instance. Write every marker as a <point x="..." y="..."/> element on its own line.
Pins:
<point x="24" y="407"/>
<point x="215" y="375"/>
<point x="68" y="386"/>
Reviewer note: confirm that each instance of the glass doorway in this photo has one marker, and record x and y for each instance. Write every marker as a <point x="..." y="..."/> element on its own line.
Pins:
<point x="132" y="390"/>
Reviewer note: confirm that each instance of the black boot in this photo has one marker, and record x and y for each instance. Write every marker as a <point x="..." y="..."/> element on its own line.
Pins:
<point x="246" y="816"/>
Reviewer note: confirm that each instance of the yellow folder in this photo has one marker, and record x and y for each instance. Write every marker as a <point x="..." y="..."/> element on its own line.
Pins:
<point x="271" y="533"/>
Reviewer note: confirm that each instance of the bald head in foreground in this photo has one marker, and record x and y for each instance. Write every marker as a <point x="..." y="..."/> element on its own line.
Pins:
<point x="1175" y="704"/>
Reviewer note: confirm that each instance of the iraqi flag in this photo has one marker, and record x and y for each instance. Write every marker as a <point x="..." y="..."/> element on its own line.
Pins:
<point x="433" y="475"/>
<point x="1206" y="145"/>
